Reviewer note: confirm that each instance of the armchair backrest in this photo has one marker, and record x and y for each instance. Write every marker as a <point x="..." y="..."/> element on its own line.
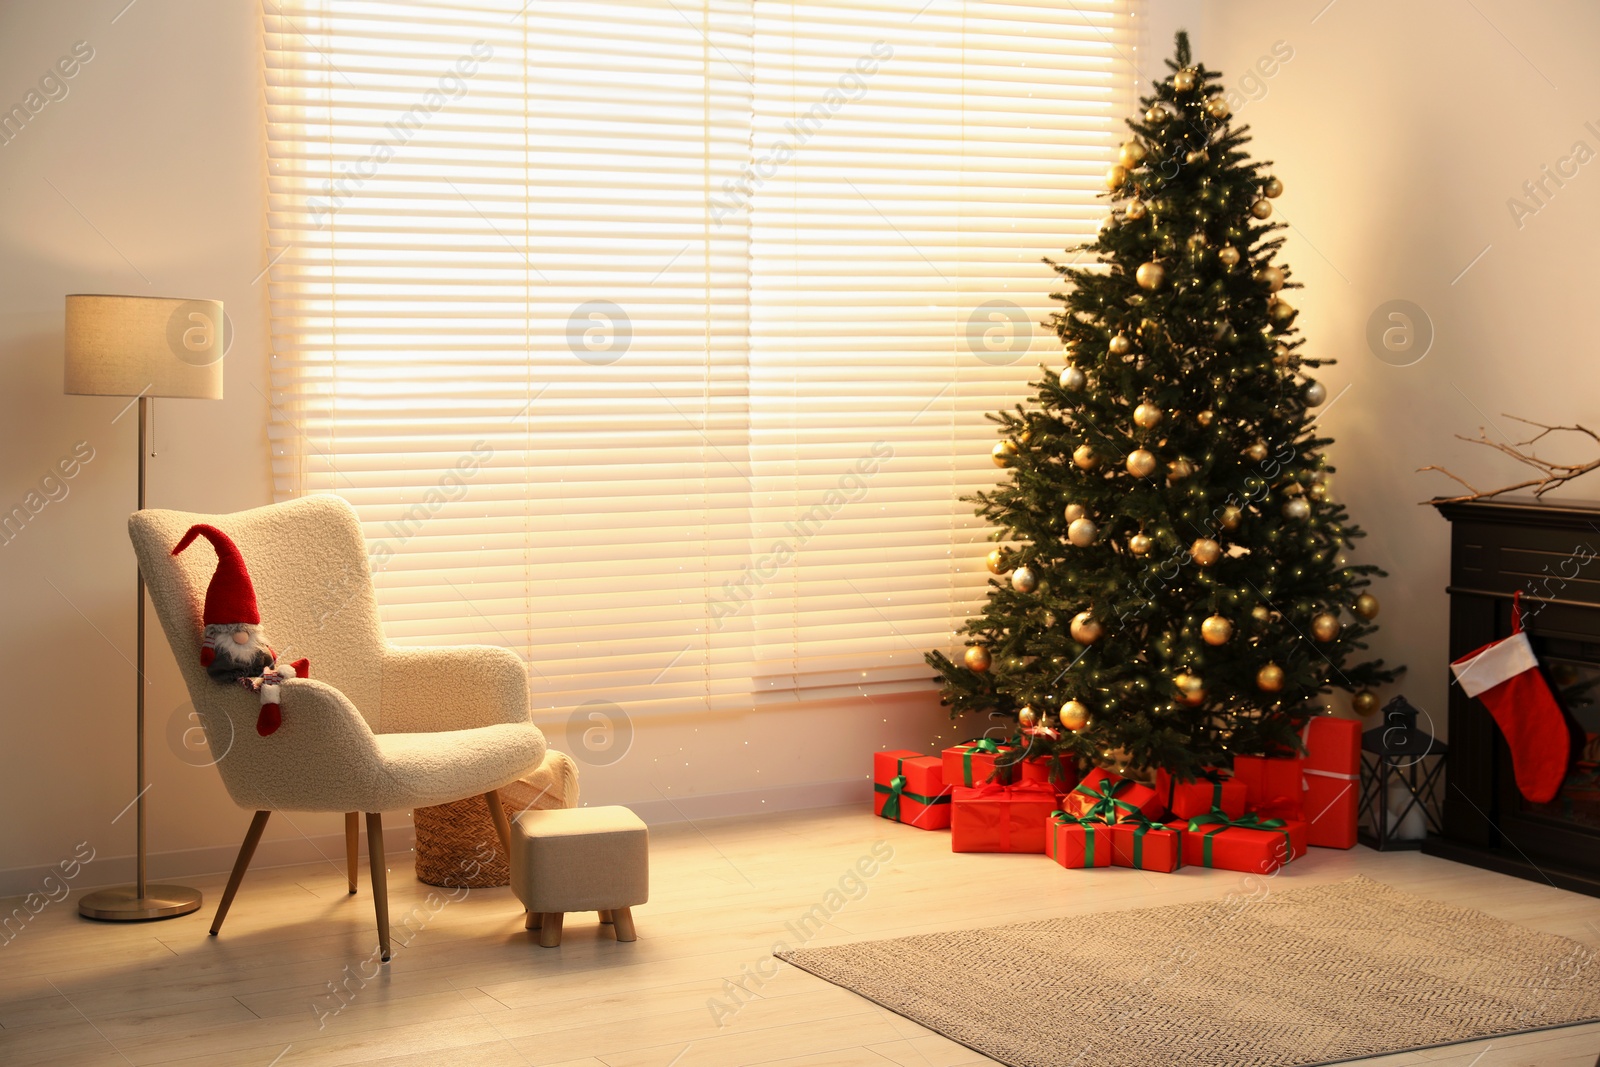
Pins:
<point x="308" y="562"/>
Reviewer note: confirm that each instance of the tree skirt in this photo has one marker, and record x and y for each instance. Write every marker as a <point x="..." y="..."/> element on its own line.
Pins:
<point x="1298" y="977"/>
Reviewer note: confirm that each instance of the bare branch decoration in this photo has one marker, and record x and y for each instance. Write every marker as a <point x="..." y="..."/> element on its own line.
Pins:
<point x="1550" y="475"/>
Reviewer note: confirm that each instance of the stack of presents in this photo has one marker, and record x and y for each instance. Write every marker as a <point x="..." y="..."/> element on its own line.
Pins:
<point x="1258" y="818"/>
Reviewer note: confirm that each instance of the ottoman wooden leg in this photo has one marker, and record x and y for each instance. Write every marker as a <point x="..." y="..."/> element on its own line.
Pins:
<point x="605" y="916"/>
<point x="623" y="917"/>
<point x="550" y="930"/>
<point x="533" y="921"/>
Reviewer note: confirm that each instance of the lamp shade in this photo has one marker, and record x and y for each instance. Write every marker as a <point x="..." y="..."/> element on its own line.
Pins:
<point x="144" y="346"/>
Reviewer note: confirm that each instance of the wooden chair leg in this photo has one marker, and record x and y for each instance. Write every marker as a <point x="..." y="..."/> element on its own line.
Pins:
<point x="623" y="917"/>
<point x="497" y="812"/>
<point x="352" y="844"/>
<point x="605" y="916"/>
<point x="534" y="921"/>
<point x="550" y="930"/>
<point x="380" y="879"/>
<point x="252" y="838"/>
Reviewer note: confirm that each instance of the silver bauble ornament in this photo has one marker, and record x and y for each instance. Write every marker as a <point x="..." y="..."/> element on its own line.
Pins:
<point x="1120" y="345"/>
<point x="1073" y="512"/>
<point x="1271" y="277"/>
<point x="1297" y="509"/>
<point x="1082" y="533"/>
<point x="1316" y="393"/>
<point x="1072" y="379"/>
<point x="1023" y="580"/>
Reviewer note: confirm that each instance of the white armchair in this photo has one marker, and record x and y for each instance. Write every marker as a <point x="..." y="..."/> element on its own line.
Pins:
<point x="376" y="727"/>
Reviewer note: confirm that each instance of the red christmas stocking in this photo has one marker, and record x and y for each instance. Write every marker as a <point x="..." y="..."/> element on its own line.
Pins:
<point x="1505" y="676"/>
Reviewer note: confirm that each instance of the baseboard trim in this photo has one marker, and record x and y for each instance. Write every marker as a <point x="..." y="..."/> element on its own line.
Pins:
<point x="399" y="837"/>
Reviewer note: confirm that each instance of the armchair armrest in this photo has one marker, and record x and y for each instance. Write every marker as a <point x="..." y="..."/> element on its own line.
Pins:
<point x="323" y="754"/>
<point x="451" y="688"/>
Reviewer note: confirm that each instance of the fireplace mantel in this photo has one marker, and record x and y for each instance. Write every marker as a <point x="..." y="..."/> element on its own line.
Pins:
<point x="1550" y="552"/>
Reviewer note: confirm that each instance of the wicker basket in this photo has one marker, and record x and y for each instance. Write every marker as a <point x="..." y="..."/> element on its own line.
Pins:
<point x="457" y="846"/>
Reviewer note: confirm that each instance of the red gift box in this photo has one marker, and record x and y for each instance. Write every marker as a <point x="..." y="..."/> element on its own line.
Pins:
<point x="1332" y="787"/>
<point x="1077" y="843"/>
<point x="1188" y="799"/>
<point x="1147" y="846"/>
<point x="971" y="763"/>
<point x="1274" y="785"/>
<point x="1111" y="797"/>
<point x="908" y="787"/>
<point x="1000" y="818"/>
<point x="1058" y="772"/>
<point x="1252" y="844"/>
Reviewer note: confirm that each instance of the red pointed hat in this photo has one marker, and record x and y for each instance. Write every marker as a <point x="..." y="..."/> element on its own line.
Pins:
<point x="230" y="597"/>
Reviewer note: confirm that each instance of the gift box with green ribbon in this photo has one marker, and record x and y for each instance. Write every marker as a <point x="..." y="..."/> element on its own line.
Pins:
<point x="1185" y="800"/>
<point x="1059" y="772"/>
<point x="977" y="762"/>
<point x="1252" y="844"/>
<point x="908" y="787"/>
<point x="1332" y="769"/>
<point x="1001" y="818"/>
<point x="1109" y="797"/>
<point x="1077" y="843"/>
<point x="1274" y="785"/>
<point x="1147" y="846"/>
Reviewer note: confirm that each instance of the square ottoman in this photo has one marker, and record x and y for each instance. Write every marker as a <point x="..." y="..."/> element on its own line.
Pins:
<point x="580" y="859"/>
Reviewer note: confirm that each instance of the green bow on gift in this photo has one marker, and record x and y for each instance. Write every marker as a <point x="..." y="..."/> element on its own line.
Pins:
<point x="1088" y="822"/>
<point x="1106" y="805"/>
<point x="897" y="789"/>
<point x="1144" y="824"/>
<point x="1219" y="821"/>
<point x="985" y="746"/>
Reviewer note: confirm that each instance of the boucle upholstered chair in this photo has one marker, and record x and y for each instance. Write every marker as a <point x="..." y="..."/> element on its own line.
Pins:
<point x="377" y="727"/>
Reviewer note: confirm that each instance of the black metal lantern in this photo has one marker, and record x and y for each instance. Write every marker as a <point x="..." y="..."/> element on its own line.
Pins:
<point x="1402" y="772"/>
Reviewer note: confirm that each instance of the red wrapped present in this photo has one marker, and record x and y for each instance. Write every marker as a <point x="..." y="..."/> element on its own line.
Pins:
<point x="1058" y="772"/>
<point x="909" y="787"/>
<point x="1147" y="846"/>
<point x="972" y="763"/>
<point x="1001" y="818"/>
<point x="1252" y="844"/>
<point x="1274" y="785"/>
<point x="1109" y="797"/>
<point x="1187" y="799"/>
<point x="1332" y="787"/>
<point x="1077" y="843"/>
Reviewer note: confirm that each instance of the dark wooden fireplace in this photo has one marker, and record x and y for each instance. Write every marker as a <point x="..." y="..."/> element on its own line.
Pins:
<point x="1551" y="552"/>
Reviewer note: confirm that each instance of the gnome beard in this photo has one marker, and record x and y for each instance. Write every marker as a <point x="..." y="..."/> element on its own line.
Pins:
<point x="232" y="651"/>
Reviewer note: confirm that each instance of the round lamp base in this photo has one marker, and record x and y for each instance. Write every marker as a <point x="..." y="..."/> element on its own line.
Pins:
<point x="124" y="904"/>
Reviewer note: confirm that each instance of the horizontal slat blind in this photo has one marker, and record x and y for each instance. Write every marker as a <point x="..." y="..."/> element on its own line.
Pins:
<point x="585" y="354"/>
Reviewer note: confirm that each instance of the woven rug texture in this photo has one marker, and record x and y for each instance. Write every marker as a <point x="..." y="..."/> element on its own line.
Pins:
<point x="1274" y="978"/>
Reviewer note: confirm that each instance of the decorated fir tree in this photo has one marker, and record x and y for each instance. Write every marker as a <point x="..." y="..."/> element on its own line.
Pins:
<point x="1172" y="586"/>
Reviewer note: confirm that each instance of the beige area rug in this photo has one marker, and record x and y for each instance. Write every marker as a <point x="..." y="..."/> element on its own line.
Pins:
<point x="1316" y="975"/>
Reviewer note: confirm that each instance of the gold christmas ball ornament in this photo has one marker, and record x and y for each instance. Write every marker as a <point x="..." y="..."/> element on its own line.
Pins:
<point x="1140" y="463"/>
<point x="1297" y="509"/>
<point x="1318" y="492"/>
<point x="1116" y="176"/>
<point x="1132" y="154"/>
<point x="1204" y="418"/>
<point x="1271" y="277"/>
<point x="1150" y="275"/>
<point x="1074" y="716"/>
<point x="1269" y="679"/>
<point x="1072" y="379"/>
<point x="976" y="658"/>
<point x="1023" y="580"/>
<point x="1316" y="393"/>
<point x="1147" y="416"/>
<point x="1139" y="544"/>
<point x="1184" y="81"/>
<point x="1157" y="115"/>
<point x="1256" y="452"/>
<point x="1217" y="108"/>
<point x="1082" y="533"/>
<point x="1260" y="209"/>
<point x="1084" y="459"/>
<point x="1325" y="626"/>
<point x="1216" y="630"/>
<point x="1027" y="718"/>
<point x="1280" y="312"/>
<point x="1003" y="453"/>
<point x="1120" y="345"/>
<point x="1137" y="210"/>
<point x="1231" y="517"/>
<point x="1367" y="606"/>
<point x="1085" y="630"/>
<point x="1073" y="512"/>
<point x="996" y="562"/>
<point x="1190" y="689"/>
<point x="1272" y="189"/>
<point x="1281" y="354"/>
<point x="1228" y="256"/>
<point x="1205" y="551"/>
<point x="1364" y="702"/>
<point x="1261" y="613"/>
<point x="1178" y="470"/>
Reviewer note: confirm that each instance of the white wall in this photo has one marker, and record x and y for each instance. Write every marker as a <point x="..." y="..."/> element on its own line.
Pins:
<point x="148" y="177"/>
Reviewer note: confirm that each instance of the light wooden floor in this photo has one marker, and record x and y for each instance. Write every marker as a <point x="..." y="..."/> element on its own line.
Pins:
<point x="472" y="988"/>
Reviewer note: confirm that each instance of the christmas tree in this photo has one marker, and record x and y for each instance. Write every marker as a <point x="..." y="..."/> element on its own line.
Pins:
<point x="1172" y="583"/>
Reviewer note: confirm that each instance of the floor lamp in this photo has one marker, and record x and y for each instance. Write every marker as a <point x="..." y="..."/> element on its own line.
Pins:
<point x="143" y="347"/>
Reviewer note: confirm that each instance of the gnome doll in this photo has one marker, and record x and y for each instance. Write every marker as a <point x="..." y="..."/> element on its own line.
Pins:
<point x="234" y="649"/>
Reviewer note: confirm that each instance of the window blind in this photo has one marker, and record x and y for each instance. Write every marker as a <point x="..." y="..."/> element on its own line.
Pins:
<point x="653" y="338"/>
